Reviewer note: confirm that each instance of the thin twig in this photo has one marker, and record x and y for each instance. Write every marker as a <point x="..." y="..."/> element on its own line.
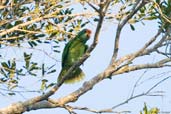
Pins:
<point x="97" y="10"/>
<point x="158" y="84"/>
<point x="135" y="85"/>
<point x="121" y="25"/>
<point x="97" y="111"/>
<point x="142" y="94"/>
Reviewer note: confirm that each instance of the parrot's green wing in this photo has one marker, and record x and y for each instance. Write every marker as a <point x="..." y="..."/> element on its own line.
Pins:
<point x="86" y="47"/>
<point x="65" y="52"/>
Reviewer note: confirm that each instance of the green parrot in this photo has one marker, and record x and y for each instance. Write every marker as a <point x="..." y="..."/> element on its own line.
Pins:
<point x="73" y="51"/>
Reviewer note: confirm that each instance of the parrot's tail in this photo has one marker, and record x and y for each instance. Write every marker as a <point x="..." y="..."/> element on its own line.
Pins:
<point x="76" y="76"/>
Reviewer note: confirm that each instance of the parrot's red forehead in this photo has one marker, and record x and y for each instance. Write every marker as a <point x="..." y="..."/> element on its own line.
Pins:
<point x="88" y="31"/>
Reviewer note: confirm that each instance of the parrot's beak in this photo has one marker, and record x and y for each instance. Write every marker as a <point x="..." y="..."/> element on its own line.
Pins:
<point x="88" y="32"/>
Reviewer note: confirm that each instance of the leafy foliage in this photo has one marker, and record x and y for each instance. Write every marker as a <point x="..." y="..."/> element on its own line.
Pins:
<point x="165" y="14"/>
<point x="149" y="111"/>
<point x="32" y="25"/>
<point x="9" y="70"/>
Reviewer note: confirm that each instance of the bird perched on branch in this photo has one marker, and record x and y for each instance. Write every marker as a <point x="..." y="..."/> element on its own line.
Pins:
<point x="73" y="51"/>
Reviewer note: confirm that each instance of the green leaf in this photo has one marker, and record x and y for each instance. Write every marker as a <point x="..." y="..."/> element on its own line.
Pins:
<point x="43" y="69"/>
<point x="33" y="74"/>
<point x="40" y="35"/>
<point x="34" y="43"/>
<point x="14" y="81"/>
<point x="18" y="22"/>
<point x="43" y="85"/>
<point x="150" y="18"/>
<point x="30" y="44"/>
<point x="9" y="63"/>
<point x="19" y="72"/>
<point x="33" y="67"/>
<point x="57" y="51"/>
<point x="53" y="34"/>
<point x="57" y="42"/>
<point x="11" y="74"/>
<point x="50" y="85"/>
<point x="11" y="94"/>
<point x="2" y="80"/>
<point x="47" y="42"/>
<point x="8" y="26"/>
<point x="145" y="109"/>
<point x="39" y="41"/>
<point x="52" y="71"/>
<point x="154" y="111"/>
<point x="4" y="64"/>
<point x="27" y="58"/>
<point x="56" y="46"/>
<point x="13" y="66"/>
<point x="96" y="20"/>
<point x="84" y="24"/>
<point x="158" y="1"/>
<point x="4" y="73"/>
<point x="59" y="6"/>
<point x="132" y="27"/>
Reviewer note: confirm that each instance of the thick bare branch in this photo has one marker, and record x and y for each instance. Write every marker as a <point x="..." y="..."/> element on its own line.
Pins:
<point x="159" y="64"/>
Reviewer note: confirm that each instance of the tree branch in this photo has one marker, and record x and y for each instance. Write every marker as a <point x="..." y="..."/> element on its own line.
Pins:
<point x="159" y="64"/>
<point x="143" y="51"/>
<point x="142" y="94"/>
<point x="135" y="9"/>
<point x="58" y="103"/>
<point x="15" y="28"/>
<point x="24" y="105"/>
